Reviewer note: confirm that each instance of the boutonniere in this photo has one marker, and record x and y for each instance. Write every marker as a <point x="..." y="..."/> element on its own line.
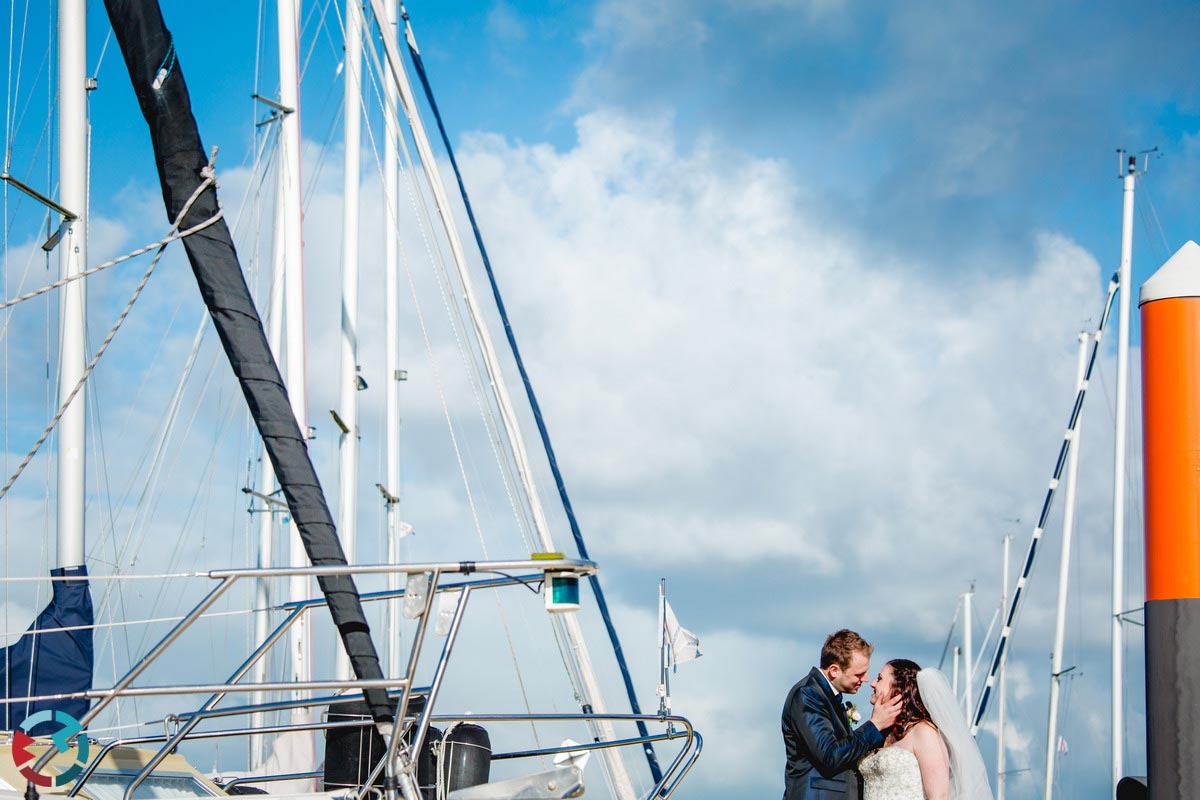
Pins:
<point x="852" y="715"/>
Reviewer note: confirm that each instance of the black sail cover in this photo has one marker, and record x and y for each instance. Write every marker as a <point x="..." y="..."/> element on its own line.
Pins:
<point x="158" y="81"/>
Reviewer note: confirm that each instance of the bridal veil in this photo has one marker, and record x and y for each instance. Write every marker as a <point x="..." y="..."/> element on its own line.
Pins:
<point x="968" y="776"/>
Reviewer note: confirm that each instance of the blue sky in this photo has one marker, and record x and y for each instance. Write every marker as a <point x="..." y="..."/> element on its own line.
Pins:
<point x="798" y="282"/>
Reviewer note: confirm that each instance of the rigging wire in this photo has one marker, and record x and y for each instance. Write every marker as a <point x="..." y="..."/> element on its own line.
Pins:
<point x="457" y="324"/>
<point x="14" y="88"/>
<point x="496" y="383"/>
<point x="310" y="188"/>
<point x="1134" y="505"/>
<point x="133" y="623"/>
<point x="10" y="221"/>
<point x="4" y="292"/>
<point x="168" y="420"/>
<point x="319" y="15"/>
<point x="467" y="346"/>
<point x="435" y="368"/>
<point x="204" y="483"/>
<point x="50" y="388"/>
<point x="470" y="356"/>
<point x="522" y="509"/>
<point x="104" y="490"/>
<point x="103" y="51"/>
<point x="42" y="68"/>
<point x="533" y="402"/>
<point x="1151" y="216"/>
<point x="372" y="80"/>
<point x="108" y="339"/>
<point x="949" y="636"/>
<point x="154" y="472"/>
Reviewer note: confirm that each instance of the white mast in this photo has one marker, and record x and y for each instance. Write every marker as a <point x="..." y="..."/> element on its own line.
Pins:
<point x="1118" y="516"/>
<point x="1064" y="575"/>
<point x="968" y="653"/>
<point x="293" y="287"/>
<point x="955" y="670"/>
<point x="266" y="482"/>
<point x="348" y="378"/>
<point x="391" y="288"/>
<point x="72" y="259"/>
<point x="588" y="687"/>
<point x="1001" y="775"/>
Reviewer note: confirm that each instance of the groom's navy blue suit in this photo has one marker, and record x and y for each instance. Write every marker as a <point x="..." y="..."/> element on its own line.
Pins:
<point x="822" y="749"/>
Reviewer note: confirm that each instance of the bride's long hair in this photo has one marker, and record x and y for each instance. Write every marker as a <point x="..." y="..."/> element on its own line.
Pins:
<point x="904" y="683"/>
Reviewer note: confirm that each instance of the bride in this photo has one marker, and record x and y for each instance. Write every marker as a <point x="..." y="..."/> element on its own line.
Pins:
<point x="928" y="754"/>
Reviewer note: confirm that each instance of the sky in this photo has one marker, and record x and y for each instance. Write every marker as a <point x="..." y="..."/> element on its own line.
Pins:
<point x="798" y="284"/>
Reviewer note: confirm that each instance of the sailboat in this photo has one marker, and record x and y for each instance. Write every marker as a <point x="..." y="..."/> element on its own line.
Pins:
<point x="400" y="696"/>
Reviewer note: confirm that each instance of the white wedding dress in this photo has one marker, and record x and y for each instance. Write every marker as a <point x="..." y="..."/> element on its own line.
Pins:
<point x="891" y="773"/>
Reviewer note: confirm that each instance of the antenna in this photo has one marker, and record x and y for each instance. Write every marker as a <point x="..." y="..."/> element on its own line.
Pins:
<point x="1146" y="155"/>
<point x="1130" y="167"/>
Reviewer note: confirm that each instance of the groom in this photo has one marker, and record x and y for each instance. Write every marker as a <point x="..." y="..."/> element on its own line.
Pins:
<point x="822" y="745"/>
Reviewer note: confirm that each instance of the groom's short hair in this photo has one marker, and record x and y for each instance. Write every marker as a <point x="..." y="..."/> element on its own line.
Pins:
<point x="841" y="646"/>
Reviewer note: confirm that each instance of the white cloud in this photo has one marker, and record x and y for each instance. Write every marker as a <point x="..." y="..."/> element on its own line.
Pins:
<point x="504" y="23"/>
<point x="723" y="346"/>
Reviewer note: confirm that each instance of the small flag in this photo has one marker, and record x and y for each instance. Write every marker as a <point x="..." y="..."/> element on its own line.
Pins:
<point x="1062" y="745"/>
<point x="682" y="644"/>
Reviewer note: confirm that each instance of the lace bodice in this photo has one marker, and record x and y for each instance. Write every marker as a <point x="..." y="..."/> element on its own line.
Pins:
<point x="891" y="774"/>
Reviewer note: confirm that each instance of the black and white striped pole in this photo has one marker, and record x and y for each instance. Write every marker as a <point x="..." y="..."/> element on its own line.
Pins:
<point x="1014" y="603"/>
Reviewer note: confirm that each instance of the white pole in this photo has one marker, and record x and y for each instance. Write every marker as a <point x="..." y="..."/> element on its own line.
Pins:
<point x="1001" y="755"/>
<point x="72" y="259"/>
<point x="1118" y="518"/>
<point x="289" y="175"/>
<point x="968" y="654"/>
<point x="568" y="624"/>
<point x="954" y="680"/>
<point x="664" y="693"/>
<point x="266" y="482"/>
<point x="391" y="288"/>
<point x="348" y="379"/>
<point x="1064" y="575"/>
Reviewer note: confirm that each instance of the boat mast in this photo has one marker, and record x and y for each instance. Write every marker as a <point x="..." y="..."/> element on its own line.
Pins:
<point x="266" y="482"/>
<point x="568" y="624"/>
<point x="1128" y="175"/>
<point x="955" y="669"/>
<point x="266" y="524"/>
<point x="72" y="259"/>
<point x="348" y="380"/>
<point x="1064" y="575"/>
<point x="968" y="651"/>
<point x="1002" y="688"/>
<point x="293" y="287"/>
<point x="391" y="288"/>
<point x="1060" y="464"/>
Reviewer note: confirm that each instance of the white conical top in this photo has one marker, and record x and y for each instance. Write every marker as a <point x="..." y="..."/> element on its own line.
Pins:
<point x="1179" y="277"/>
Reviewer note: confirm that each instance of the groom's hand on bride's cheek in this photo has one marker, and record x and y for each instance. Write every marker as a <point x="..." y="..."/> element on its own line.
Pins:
<point x="886" y="711"/>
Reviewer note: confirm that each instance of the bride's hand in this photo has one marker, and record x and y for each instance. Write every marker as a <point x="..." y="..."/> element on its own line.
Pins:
<point x="886" y="711"/>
